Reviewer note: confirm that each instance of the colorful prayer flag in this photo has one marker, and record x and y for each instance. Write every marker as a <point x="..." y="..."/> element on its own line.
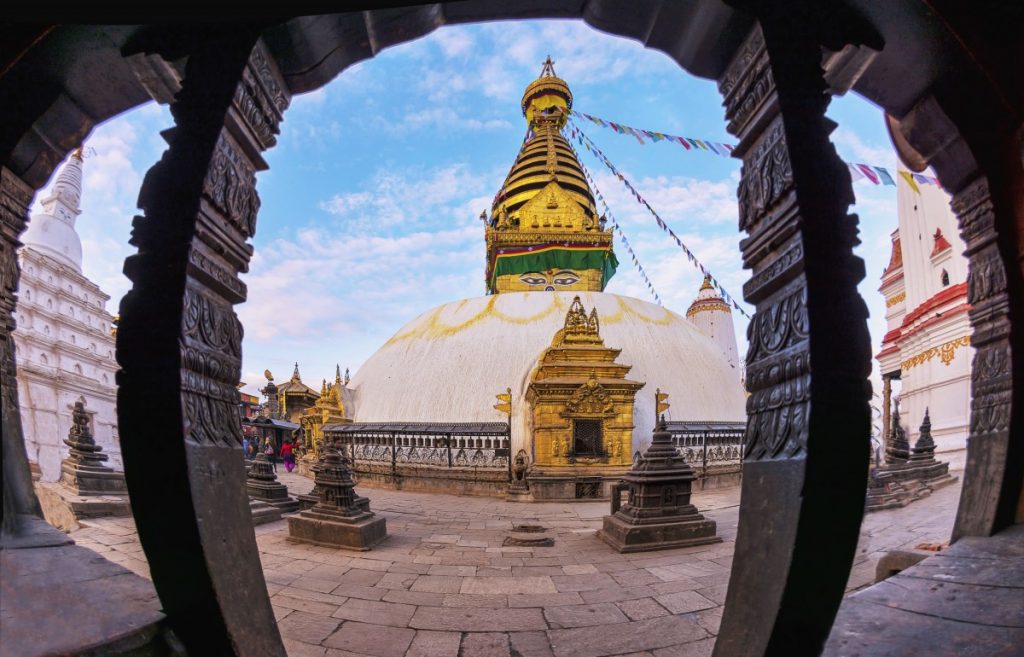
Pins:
<point x="910" y="180"/>
<point x="869" y="173"/>
<point x="884" y="175"/>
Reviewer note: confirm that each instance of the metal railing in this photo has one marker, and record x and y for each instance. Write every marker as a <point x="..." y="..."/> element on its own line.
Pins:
<point x="446" y="445"/>
<point x="709" y="443"/>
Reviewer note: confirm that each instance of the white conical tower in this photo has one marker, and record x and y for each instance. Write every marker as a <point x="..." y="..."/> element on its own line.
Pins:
<point x="712" y="315"/>
<point x="52" y="231"/>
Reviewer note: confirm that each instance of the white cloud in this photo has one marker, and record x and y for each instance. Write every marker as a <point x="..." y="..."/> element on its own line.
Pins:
<point x="678" y="200"/>
<point x="453" y="42"/>
<point x="848" y="142"/>
<point x="447" y="118"/>
<point x="408" y="198"/>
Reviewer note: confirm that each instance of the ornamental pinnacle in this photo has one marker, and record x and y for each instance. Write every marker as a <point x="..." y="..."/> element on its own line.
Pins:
<point x="504" y="401"/>
<point x="660" y="404"/>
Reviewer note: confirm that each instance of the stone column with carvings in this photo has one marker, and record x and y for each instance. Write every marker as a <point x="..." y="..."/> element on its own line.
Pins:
<point x="984" y="505"/>
<point x="179" y="344"/>
<point x="19" y="500"/>
<point x="808" y="431"/>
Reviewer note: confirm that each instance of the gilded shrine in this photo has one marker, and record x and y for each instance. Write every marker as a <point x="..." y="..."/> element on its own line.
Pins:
<point x="582" y="410"/>
<point x="328" y="409"/>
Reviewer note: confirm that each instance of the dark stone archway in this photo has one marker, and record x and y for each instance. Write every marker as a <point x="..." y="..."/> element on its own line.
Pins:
<point x="179" y="341"/>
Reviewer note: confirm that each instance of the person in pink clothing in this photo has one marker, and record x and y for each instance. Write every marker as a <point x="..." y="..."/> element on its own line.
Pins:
<point x="288" y="456"/>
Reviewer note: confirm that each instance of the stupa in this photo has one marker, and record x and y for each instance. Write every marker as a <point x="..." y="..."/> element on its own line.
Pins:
<point x="546" y="246"/>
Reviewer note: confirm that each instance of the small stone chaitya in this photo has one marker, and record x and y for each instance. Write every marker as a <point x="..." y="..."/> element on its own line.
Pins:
<point x="658" y="514"/>
<point x="907" y="474"/>
<point x="340" y="518"/>
<point x="261" y="484"/>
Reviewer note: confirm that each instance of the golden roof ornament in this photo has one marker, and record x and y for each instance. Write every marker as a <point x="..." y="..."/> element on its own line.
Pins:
<point x="268" y="375"/>
<point x="543" y="232"/>
<point x="547" y="96"/>
<point x="579" y="327"/>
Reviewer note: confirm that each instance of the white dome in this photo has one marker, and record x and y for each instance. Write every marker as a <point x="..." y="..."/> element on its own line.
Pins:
<point x="54" y="237"/>
<point x="449" y="363"/>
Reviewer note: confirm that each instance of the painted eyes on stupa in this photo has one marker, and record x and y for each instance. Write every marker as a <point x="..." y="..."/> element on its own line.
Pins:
<point x="565" y="278"/>
<point x="562" y="278"/>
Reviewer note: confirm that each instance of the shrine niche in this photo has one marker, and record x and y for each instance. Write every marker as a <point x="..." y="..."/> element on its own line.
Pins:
<point x="581" y="404"/>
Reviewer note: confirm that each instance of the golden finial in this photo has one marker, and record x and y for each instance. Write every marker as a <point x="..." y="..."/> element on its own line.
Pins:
<point x="268" y="375"/>
<point x="548" y="69"/>
<point x="706" y="285"/>
<point x="79" y="153"/>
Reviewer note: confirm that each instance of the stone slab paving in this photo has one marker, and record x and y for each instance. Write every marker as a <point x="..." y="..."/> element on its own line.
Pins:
<point x="443" y="584"/>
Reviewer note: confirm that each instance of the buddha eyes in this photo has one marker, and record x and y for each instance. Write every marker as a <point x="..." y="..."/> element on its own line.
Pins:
<point x="565" y="278"/>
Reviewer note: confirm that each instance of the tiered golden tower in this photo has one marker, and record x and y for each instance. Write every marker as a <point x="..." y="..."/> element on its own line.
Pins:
<point x="544" y="233"/>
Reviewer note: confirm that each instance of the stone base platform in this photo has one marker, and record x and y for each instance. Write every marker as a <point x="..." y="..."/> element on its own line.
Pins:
<point x="263" y="513"/>
<point x="964" y="601"/>
<point x="68" y="600"/>
<point x="894" y="487"/>
<point x="62" y="507"/>
<point x="273" y="497"/>
<point x="87" y="480"/>
<point x="565" y="485"/>
<point x="629" y="535"/>
<point x="321" y="527"/>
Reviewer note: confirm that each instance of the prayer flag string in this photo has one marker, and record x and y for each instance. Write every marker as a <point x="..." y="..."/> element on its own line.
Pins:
<point x="874" y="174"/>
<point x="617" y="228"/>
<point x="587" y="143"/>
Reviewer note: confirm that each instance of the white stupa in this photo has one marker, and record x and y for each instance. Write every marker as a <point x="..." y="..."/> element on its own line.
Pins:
<point x="546" y="244"/>
<point x="447" y="364"/>
<point x="713" y="316"/>
<point x="63" y="340"/>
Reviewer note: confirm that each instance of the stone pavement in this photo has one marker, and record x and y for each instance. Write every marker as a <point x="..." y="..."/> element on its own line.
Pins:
<point x="443" y="583"/>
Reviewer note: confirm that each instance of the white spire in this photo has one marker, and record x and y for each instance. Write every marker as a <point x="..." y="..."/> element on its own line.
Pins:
<point x="52" y="231"/>
<point x="712" y="315"/>
<point x="66" y="195"/>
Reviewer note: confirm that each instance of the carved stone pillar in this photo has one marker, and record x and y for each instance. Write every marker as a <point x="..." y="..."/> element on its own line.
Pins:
<point x="179" y="345"/>
<point x="19" y="500"/>
<point x="886" y="405"/>
<point x="808" y="425"/>
<point x="986" y="503"/>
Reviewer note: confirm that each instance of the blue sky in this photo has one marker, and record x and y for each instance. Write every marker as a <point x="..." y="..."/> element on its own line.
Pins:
<point x="369" y="209"/>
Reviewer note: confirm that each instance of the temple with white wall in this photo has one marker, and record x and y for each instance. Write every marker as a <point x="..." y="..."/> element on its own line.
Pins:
<point x="64" y="340"/>
<point x="927" y="344"/>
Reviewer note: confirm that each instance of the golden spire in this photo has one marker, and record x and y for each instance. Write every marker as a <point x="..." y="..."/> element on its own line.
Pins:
<point x="706" y="285"/>
<point x="79" y="153"/>
<point x="546" y="205"/>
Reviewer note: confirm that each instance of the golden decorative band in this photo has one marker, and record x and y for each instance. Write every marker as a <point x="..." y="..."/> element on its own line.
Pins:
<point x="704" y="307"/>
<point x="945" y="352"/>
<point x="895" y="299"/>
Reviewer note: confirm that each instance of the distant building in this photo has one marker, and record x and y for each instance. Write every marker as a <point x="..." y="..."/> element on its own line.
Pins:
<point x="249" y="408"/>
<point x="927" y="344"/>
<point x="295" y="397"/>
<point x="64" y="337"/>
